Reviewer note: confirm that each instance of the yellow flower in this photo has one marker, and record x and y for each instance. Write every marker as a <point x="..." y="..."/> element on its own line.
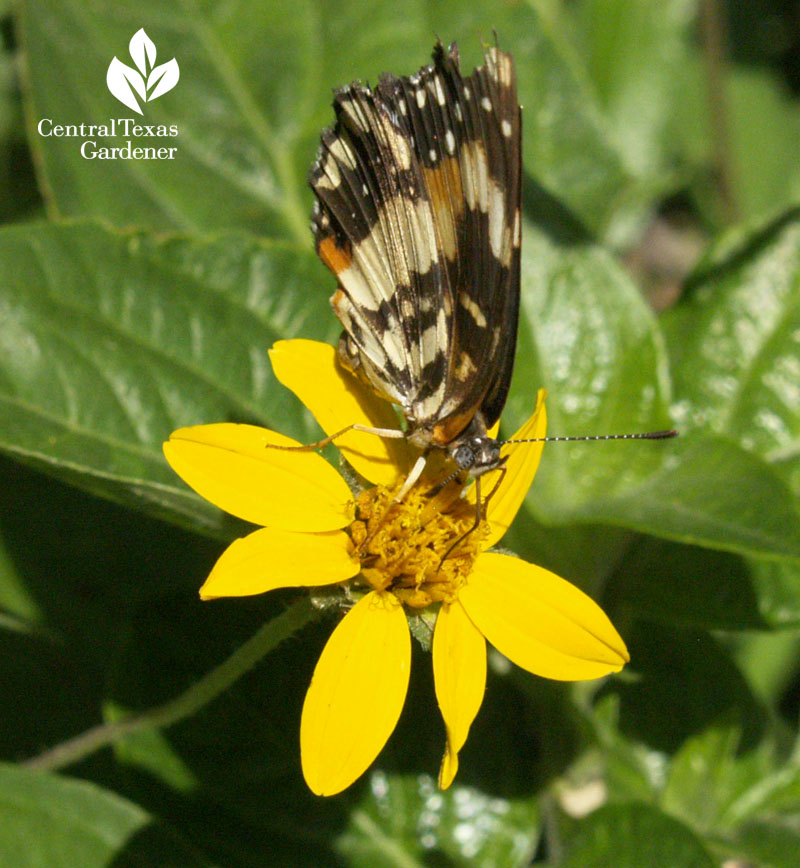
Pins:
<point x="315" y="532"/>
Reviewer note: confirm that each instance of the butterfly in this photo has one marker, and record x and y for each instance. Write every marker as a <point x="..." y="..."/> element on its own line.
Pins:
<point x="417" y="214"/>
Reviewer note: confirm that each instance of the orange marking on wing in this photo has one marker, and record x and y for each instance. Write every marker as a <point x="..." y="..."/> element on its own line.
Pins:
<point x="448" y="429"/>
<point x="447" y="201"/>
<point x="336" y="258"/>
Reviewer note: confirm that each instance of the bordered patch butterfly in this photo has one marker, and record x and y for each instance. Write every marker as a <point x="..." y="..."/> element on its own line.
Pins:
<point x="417" y="213"/>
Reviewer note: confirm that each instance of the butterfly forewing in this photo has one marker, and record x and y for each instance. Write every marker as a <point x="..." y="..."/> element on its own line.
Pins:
<point x="417" y="214"/>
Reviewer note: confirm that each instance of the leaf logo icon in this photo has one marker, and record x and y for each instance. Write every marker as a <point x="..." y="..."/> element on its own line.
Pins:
<point x="146" y="81"/>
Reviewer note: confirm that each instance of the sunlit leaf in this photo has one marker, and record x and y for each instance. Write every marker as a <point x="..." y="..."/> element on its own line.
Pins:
<point x="52" y="822"/>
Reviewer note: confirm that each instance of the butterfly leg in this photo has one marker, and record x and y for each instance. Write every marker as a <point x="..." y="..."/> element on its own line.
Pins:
<point x="413" y="476"/>
<point x="392" y="433"/>
<point x="491" y="494"/>
<point x="475" y="525"/>
<point x="480" y="510"/>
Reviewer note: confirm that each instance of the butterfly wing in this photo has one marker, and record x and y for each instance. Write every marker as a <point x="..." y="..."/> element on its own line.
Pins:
<point x="374" y="228"/>
<point x="467" y="135"/>
<point x="417" y="214"/>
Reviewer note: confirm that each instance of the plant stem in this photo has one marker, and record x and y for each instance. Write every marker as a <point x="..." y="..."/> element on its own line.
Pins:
<point x="712" y="25"/>
<point x="200" y="694"/>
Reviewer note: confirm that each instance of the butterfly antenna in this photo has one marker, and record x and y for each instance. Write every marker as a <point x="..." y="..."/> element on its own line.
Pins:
<point x="646" y="435"/>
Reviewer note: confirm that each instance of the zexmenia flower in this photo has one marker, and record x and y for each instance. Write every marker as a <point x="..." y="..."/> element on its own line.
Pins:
<point x="315" y="532"/>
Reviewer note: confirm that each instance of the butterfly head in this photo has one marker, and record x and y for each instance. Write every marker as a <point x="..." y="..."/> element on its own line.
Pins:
<point x="477" y="454"/>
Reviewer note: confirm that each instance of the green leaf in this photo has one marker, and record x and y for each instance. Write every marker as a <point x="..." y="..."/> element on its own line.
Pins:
<point x="761" y="144"/>
<point x="777" y="591"/>
<point x="734" y="356"/>
<point x="407" y="820"/>
<point x="773" y="792"/>
<point x="110" y="340"/>
<point x="688" y="586"/>
<point x="233" y="165"/>
<point x="734" y="341"/>
<point x="769" y="661"/>
<point x="635" y="52"/>
<point x="588" y="337"/>
<point x="702" y="779"/>
<point x="713" y="589"/>
<point x="254" y="94"/>
<point x="704" y="491"/>
<point x="54" y="822"/>
<point x="745" y="801"/>
<point x="765" y="129"/>
<point x="769" y="845"/>
<point x="18" y="608"/>
<point x="680" y="683"/>
<point x="632" y="771"/>
<point x="151" y="751"/>
<point x="730" y="794"/>
<point x="635" y="836"/>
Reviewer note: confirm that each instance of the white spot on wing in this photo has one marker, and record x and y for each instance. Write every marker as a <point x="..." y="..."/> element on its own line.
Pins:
<point x="475" y="175"/>
<point x="353" y="111"/>
<point x="498" y="228"/>
<point x="465" y="367"/>
<point x="359" y="288"/>
<point x="330" y="177"/>
<point x="342" y="153"/>
<point x="439" y="90"/>
<point x="394" y="348"/>
<point x="486" y="104"/>
<point x="431" y="406"/>
<point x="421" y="98"/>
<point x="397" y="144"/>
<point x="450" y="141"/>
<point x="369" y="344"/>
<point x="473" y="309"/>
<point x="423" y="237"/>
<point x="429" y="343"/>
<point x="506" y="127"/>
<point x="482" y="173"/>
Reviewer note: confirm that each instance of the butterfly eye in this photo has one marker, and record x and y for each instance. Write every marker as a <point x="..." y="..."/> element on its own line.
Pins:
<point x="464" y="456"/>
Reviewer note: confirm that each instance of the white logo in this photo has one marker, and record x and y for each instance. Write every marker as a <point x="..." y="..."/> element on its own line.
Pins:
<point x="149" y="82"/>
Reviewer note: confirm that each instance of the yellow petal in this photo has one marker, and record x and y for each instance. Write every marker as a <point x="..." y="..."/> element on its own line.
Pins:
<point x="231" y="466"/>
<point x="540" y="621"/>
<point x="272" y="558"/>
<point x="459" y="671"/>
<point x="521" y="466"/>
<point x="337" y="399"/>
<point x="356" y="694"/>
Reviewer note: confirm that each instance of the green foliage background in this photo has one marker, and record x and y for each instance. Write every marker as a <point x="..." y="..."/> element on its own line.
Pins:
<point x="136" y="297"/>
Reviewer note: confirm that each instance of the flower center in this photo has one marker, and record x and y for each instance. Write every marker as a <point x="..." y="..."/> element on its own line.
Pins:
<point x="420" y="549"/>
